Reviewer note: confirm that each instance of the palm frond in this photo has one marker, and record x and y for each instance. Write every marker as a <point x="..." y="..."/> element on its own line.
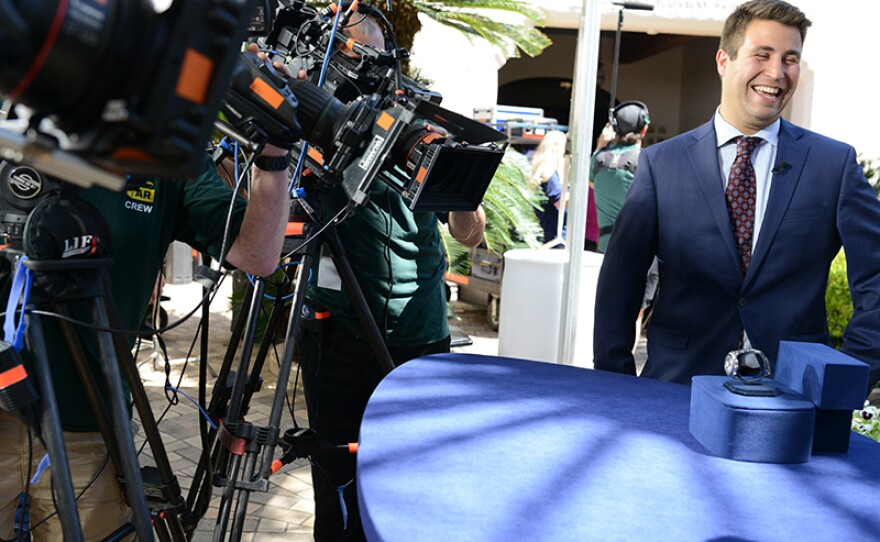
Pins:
<point x="510" y="203"/>
<point x="502" y="35"/>
<point x="521" y="7"/>
<point x="469" y="18"/>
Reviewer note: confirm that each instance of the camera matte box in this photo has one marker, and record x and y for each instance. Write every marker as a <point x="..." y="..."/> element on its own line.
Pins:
<point x="756" y="429"/>
<point x="836" y="383"/>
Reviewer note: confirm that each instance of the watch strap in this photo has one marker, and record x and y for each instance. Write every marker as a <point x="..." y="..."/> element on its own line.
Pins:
<point x="273" y="163"/>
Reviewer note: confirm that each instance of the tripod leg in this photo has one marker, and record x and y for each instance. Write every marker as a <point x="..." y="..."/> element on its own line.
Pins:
<point x="122" y="425"/>
<point x="52" y="433"/>
<point x="243" y="495"/>
<point x="266" y="344"/>
<point x="287" y="359"/>
<point x="171" y="520"/>
<point x="266" y="449"/>
<point x="358" y="302"/>
<point x="75" y="349"/>
<point x="247" y="348"/>
<point x="199" y="496"/>
<point x="234" y="412"/>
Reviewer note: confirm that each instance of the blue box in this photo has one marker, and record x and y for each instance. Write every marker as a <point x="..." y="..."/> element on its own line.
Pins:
<point x="758" y="429"/>
<point x="830" y="379"/>
<point x="836" y="383"/>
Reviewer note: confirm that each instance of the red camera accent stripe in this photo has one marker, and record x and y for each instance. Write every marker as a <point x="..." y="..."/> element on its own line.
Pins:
<point x="294" y="228"/>
<point x="48" y="43"/>
<point x="12" y="376"/>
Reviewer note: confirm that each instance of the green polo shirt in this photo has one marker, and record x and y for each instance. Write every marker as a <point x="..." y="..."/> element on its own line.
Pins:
<point x="610" y="185"/>
<point x="143" y="222"/>
<point x="399" y="261"/>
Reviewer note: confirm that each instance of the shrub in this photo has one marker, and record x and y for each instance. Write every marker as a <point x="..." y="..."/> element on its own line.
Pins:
<point x="837" y="300"/>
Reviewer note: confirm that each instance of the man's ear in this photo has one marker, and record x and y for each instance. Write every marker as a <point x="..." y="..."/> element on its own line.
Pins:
<point x="721" y="60"/>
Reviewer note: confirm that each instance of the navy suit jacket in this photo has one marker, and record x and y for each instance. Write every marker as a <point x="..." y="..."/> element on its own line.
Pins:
<point x="676" y="210"/>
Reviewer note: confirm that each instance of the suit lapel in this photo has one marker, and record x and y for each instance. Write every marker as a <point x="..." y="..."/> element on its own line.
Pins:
<point x="793" y="153"/>
<point x="703" y="155"/>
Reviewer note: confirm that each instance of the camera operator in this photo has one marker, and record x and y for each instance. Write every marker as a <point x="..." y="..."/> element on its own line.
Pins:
<point x="399" y="261"/>
<point x="143" y="221"/>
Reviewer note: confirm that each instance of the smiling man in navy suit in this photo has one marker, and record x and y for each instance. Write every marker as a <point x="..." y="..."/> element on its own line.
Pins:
<point x="745" y="214"/>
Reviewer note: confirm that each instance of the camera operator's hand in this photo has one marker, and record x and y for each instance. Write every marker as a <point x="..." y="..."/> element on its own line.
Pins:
<point x="439" y="130"/>
<point x="467" y="227"/>
<point x="279" y="66"/>
<point x="257" y="248"/>
<point x="260" y="105"/>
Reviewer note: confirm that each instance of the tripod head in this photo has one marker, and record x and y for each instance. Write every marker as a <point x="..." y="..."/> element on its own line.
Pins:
<point x="62" y="234"/>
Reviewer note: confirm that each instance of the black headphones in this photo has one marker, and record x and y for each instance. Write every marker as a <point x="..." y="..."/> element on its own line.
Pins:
<point x="644" y="118"/>
<point x="368" y="10"/>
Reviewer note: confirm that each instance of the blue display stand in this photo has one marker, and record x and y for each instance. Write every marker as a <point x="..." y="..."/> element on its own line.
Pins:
<point x="818" y="388"/>
<point x="764" y="429"/>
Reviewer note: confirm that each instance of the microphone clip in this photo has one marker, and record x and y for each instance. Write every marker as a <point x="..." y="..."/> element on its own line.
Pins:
<point x="780" y="168"/>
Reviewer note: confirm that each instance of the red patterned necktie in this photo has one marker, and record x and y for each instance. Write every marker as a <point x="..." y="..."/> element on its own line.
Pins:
<point x="741" y="198"/>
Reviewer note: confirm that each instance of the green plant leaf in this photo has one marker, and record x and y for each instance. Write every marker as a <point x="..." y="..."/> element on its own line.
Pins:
<point x="509" y="203"/>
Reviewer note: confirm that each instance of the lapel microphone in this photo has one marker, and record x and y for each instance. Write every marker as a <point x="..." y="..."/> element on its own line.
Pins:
<point x="780" y="168"/>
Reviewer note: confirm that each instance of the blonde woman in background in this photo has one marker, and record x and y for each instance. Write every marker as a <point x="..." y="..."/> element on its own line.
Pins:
<point x="548" y="173"/>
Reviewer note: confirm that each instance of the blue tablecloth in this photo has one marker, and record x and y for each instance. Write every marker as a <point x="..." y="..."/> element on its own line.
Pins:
<point x="467" y="447"/>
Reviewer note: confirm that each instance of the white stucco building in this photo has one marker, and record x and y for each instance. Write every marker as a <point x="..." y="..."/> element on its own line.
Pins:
<point x="667" y="61"/>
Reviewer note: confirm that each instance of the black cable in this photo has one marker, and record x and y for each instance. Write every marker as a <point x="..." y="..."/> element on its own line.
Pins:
<point x="25" y="506"/>
<point x="388" y="263"/>
<point x="174" y="400"/>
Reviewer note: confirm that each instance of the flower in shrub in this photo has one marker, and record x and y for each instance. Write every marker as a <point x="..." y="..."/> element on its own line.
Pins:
<point x="867" y="421"/>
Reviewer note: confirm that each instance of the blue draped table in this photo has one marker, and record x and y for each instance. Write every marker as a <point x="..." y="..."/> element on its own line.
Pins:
<point x="480" y="448"/>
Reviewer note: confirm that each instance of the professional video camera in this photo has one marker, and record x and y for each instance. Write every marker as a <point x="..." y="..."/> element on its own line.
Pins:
<point x="369" y="120"/>
<point x="111" y="87"/>
<point x="106" y="88"/>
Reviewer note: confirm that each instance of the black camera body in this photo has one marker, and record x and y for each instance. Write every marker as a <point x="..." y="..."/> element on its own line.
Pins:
<point x="105" y="88"/>
<point x="369" y="120"/>
<point x="115" y="85"/>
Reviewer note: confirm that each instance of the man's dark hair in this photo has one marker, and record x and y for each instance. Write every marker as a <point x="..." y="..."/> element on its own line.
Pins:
<point x="760" y="10"/>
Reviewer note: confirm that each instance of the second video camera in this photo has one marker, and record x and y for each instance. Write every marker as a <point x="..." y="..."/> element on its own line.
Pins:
<point x="370" y="119"/>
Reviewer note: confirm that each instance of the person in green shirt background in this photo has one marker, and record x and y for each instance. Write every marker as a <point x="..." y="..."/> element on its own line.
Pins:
<point x="613" y="169"/>
<point x="614" y="163"/>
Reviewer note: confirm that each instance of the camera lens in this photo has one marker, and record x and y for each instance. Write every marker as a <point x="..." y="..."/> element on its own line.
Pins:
<point x="319" y="113"/>
<point x="64" y="56"/>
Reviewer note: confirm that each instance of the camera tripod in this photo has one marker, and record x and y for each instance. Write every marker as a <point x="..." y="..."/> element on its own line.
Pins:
<point x="241" y="458"/>
<point x="71" y="286"/>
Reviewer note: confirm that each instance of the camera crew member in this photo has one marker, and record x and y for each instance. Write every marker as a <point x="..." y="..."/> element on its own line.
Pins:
<point x="399" y="261"/>
<point x="143" y="221"/>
